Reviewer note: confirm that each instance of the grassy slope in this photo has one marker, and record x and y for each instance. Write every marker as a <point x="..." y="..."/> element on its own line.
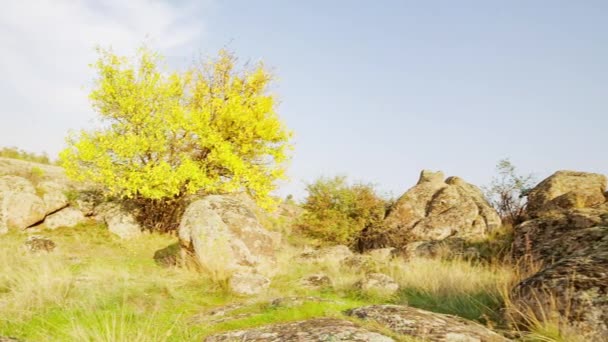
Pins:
<point x="95" y="287"/>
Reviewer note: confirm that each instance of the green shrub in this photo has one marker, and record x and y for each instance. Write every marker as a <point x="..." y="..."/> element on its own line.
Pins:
<point x="336" y="212"/>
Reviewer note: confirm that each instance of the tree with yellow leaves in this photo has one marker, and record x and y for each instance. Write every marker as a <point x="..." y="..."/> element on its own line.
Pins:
<point x="166" y="135"/>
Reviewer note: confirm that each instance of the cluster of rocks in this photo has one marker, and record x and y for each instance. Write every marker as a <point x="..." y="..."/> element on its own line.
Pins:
<point x="566" y="232"/>
<point x="34" y="195"/>
<point x="567" y="236"/>
<point x="435" y="209"/>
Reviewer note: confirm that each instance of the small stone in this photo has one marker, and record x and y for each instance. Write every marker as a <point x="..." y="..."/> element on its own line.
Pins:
<point x="378" y="283"/>
<point x="318" y="280"/>
<point x="37" y="243"/>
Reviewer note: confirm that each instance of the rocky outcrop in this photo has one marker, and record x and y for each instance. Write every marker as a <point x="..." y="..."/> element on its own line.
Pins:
<point x="320" y="329"/>
<point x="225" y="236"/>
<point x="31" y="193"/>
<point x="20" y="207"/>
<point x="576" y="287"/>
<point x="557" y="234"/>
<point x="53" y="196"/>
<point x="568" y="236"/>
<point x="567" y="190"/>
<point x="436" y="208"/>
<point x="68" y="217"/>
<point x="425" y="325"/>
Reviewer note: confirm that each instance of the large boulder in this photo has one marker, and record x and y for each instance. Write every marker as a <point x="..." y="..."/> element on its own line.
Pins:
<point x="435" y="209"/>
<point x="20" y="207"/>
<point x="425" y="325"/>
<point x="568" y="237"/>
<point x="224" y="235"/>
<point x="567" y="190"/>
<point x="319" y="329"/>
<point x="32" y="192"/>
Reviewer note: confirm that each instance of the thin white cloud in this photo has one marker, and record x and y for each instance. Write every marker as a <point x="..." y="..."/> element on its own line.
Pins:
<point x="47" y="46"/>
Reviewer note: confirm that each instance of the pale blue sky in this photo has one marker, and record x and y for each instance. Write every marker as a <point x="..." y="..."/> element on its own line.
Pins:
<point x="376" y="90"/>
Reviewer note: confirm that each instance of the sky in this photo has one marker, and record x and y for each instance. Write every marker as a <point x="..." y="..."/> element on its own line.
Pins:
<point x="375" y="90"/>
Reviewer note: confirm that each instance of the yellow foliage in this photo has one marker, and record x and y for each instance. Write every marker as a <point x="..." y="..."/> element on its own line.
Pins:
<point x="169" y="134"/>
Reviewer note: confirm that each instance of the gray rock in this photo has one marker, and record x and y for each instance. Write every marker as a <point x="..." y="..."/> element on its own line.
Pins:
<point x="23" y="210"/>
<point x="576" y="287"/>
<point x="425" y="325"/>
<point x="321" y="329"/>
<point x="566" y="190"/>
<point x="67" y="217"/>
<point x="225" y="236"/>
<point x="435" y="209"/>
<point x="20" y="208"/>
<point x="568" y="237"/>
<point x="53" y="196"/>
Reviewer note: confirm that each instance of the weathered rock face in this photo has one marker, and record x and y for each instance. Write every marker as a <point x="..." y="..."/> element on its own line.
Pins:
<point x="321" y="329"/>
<point x="558" y="234"/>
<point x="567" y="190"/>
<point x="576" y="287"/>
<point x="53" y="196"/>
<point x="19" y="205"/>
<point x="68" y="217"/>
<point x="25" y="202"/>
<point x="121" y="221"/>
<point x="224" y="235"/>
<point x="568" y="235"/>
<point x="23" y="210"/>
<point x="435" y="209"/>
<point x="425" y="325"/>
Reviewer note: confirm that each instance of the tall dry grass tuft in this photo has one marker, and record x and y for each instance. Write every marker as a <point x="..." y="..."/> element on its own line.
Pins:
<point x="540" y="315"/>
<point x="29" y="282"/>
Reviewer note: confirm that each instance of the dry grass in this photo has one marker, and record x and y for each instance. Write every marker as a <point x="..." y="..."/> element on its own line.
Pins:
<point x="95" y="287"/>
